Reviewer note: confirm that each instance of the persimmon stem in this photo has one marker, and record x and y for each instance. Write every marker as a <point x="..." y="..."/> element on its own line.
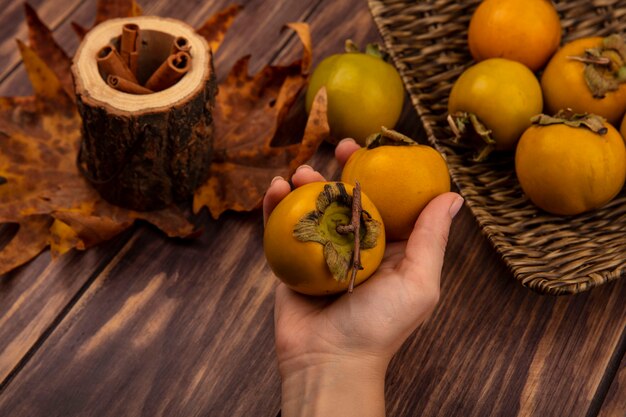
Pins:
<point x="395" y="135"/>
<point x="354" y="227"/>
<point x="591" y="59"/>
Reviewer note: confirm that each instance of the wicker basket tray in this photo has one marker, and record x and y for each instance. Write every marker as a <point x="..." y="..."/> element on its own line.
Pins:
<point x="427" y="41"/>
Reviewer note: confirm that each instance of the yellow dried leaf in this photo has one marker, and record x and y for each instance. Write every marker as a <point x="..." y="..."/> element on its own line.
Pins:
<point x="45" y="83"/>
<point x="304" y="33"/>
<point x="63" y="238"/>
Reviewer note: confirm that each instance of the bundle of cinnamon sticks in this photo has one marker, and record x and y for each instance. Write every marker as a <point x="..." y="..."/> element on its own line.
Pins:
<point x="119" y="68"/>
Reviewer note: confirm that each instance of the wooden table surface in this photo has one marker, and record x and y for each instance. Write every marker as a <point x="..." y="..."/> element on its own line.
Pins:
<point x="143" y="325"/>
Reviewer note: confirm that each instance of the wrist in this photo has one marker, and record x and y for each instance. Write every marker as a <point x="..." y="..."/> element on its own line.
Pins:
<point x="326" y="385"/>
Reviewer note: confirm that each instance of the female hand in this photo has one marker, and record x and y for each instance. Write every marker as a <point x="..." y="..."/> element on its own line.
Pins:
<point x="333" y="352"/>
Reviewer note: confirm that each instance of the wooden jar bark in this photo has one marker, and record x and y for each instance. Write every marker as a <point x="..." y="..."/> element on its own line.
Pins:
<point x="146" y="151"/>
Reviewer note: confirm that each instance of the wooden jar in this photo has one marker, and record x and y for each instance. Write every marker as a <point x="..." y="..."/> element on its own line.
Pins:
<point x="145" y="152"/>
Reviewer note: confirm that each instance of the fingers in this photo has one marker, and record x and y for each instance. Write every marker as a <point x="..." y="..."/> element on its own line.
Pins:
<point x="423" y="258"/>
<point x="278" y="189"/>
<point x="304" y="175"/>
<point x="345" y="149"/>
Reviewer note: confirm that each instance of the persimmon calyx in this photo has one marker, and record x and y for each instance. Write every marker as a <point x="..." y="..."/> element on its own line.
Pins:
<point x="465" y="125"/>
<point x="388" y="137"/>
<point x="329" y="224"/>
<point x="373" y="49"/>
<point x="569" y="118"/>
<point x="605" y="66"/>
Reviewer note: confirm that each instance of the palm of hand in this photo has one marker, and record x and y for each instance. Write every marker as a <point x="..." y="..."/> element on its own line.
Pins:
<point x="380" y="314"/>
<point x="372" y="321"/>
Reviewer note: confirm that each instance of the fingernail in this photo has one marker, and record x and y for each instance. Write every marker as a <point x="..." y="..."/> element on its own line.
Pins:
<point x="346" y="140"/>
<point x="301" y="167"/>
<point x="456" y="206"/>
<point x="276" y="178"/>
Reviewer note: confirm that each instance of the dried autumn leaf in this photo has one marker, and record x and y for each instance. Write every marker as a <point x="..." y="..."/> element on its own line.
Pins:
<point x="41" y="188"/>
<point x="249" y="112"/>
<point x="63" y="238"/>
<point x="30" y="240"/>
<point x="42" y="42"/>
<point x="214" y="29"/>
<point x="43" y="192"/>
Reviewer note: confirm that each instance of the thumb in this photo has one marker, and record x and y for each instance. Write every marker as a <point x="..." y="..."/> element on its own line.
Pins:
<point x="425" y="249"/>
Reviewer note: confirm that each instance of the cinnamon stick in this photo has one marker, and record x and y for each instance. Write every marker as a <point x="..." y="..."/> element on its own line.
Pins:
<point x="172" y="70"/>
<point x="134" y="62"/>
<point x="111" y="63"/>
<point x="126" y="86"/>
<point x="128" y="43"/>
<point x="180" y="44"/>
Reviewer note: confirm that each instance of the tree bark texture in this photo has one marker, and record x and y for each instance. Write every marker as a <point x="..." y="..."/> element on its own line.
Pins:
<point x="148" y="157"/>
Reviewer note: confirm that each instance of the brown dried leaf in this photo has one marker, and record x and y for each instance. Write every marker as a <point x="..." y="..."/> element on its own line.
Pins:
<point x="29" y="241"/>
<point x="215" y="28"/>
<point x="248" y="115"/>
<point x="240" y="187"/>
<point x="36" y="146"/>
<point x="41" y="41"/>
<point x="302" y="29"/>
<point x="43" y="192"/>
<point x="41" y="188"/>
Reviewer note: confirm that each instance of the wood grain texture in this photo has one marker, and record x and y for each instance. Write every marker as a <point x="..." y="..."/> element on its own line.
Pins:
<point x="24" y="322"/>
<point x="34" y="296"/>
<point x="148" y="151"/>
<point x="494" y="348"/>
<point x="614" y="404"/>
<point x="15" y="82"/>
<point x="183" y="337"/>
<point x="13" y="25"/>
<point x="251" y="37"/>
<point x="174" y="328"/>
<point x="189" y="325"/>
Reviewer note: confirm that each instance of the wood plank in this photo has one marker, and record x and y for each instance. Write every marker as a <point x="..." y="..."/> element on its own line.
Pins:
<point x="614" y="404"/>
<point x="243" y="37"/>
<point x="154" y="333"/>
<point x="13" y="25"/>
<point x="34" y="297"/>
<point x="161" y="334"/>
<point x="23" y="321"/>
<point x="191" y="333"/>
<point x="495" y="348"/>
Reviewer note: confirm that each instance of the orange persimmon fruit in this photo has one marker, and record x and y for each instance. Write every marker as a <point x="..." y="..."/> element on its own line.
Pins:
<point x="526" y="31"/>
